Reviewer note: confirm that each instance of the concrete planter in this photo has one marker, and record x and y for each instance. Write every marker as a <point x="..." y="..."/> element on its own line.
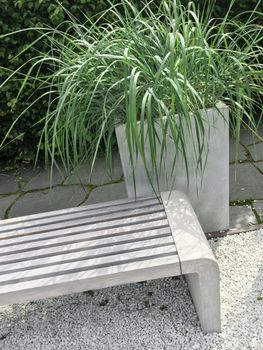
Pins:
<point x="208" y="194"/>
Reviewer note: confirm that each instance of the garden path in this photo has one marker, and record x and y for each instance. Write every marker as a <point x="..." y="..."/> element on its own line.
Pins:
<point x="27" y="191"/>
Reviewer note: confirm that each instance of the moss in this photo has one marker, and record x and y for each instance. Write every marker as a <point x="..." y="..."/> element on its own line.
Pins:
<point x="242" y="202"/>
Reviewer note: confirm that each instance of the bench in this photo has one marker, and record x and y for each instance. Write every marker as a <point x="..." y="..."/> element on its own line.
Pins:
<point x="102" y="245"/>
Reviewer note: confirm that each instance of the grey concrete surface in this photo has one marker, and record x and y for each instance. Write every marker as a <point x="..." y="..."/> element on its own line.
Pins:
<point x="242" y="216"/>
<point x="197" y="261"/>
<point x="26" y="191"/>
<point x="246" y="182"/>
<point x="258" y="206"/>
<point x="8" y="183"/>
<point x="5" y="203"/>
<point x="256" y="151"/>
<point x="259" y="166"/>
<point x="46" y="200"/>
<point x="103" y="193"/>
<point x="236" y="151"/>
<point x="39" y="178"/>
<point x="247" y="138"/>
<point x="199" y="186"/>
<point x="100" y="174"/>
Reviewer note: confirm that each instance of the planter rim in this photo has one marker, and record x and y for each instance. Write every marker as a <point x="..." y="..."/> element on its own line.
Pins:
<point x="219" y="106"/>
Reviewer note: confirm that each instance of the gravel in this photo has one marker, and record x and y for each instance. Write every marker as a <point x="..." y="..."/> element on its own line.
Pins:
<point x="152" y="315"/>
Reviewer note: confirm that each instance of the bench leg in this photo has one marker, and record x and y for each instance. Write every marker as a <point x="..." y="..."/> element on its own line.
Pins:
<point x="204" y="287"/>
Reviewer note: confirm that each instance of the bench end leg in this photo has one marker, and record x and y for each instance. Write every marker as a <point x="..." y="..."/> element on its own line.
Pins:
<point x="204" y="287"/>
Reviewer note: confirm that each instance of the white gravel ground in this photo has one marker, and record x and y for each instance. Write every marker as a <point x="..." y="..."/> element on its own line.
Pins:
<point x="155" y="315"/>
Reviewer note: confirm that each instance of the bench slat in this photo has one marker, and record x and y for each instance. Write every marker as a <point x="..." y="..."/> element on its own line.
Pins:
<point x="122" y="225"/>
<point x="83" y="213"/>
<point x="130" y="215"/>
<point x="84" y="265"/>
<point x="87" y="254"/>
<point x="58" y="242"/>
<point x="69" y="246"/>
<point x="91" y="279"/>
<point x="74" y="209"/>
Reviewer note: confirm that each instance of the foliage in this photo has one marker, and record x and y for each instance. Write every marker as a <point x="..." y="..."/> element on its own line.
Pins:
<point x="244" y="7"/>
<point x="16" y="15"/>
<point x="137" y="66"/>
<point x="19" y="14"/>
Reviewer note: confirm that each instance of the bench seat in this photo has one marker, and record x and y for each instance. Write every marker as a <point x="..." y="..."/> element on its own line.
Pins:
<point x="102" y="245"/>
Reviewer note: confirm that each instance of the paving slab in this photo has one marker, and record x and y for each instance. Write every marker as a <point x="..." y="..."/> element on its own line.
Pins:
<point x="236" y="152"/>
<point x="107" y="193"/>
<point x="247" y="138"/>
<point x="8" y="183"/>
<point x="241" y="216"/>
<point x="5" y="202"/>
<point x="256" y="151"/>
<point x="100" y="175"/>
<point x="259" y="166"/>
<point x="258" y="205"/>
<point x="34" y="179"/>
<point x="247" y="185"/>
<point x="42" y="201"/>
<point x="246" y="182"/>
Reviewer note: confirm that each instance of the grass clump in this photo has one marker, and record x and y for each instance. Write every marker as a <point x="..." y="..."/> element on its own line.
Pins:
<point x="136" y="66"/>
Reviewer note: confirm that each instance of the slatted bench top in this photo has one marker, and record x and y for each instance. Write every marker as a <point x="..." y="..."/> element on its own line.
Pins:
<point x="82" y="248"/>
<point x="98" y="246"/>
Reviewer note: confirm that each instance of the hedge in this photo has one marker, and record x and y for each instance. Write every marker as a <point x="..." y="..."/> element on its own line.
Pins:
<point x="19" y="14"/>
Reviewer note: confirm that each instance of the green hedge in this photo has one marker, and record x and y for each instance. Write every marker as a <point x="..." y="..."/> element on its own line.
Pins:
<point x="16" y="15"/>
<point x="19" y="14"/>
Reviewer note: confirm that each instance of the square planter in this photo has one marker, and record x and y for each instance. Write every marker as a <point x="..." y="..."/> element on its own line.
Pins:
<point x="208" y="192"/>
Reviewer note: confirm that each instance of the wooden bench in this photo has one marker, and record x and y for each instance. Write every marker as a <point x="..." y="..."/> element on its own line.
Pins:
<point x="98" y="246"/>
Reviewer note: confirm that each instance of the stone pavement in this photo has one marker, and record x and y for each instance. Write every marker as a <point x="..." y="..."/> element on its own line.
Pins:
<point x="27" y="191"/>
